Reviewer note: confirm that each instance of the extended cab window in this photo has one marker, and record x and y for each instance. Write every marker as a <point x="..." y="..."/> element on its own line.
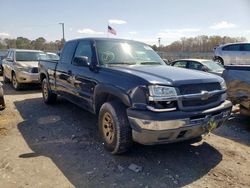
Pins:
<point x="182" y="64"/>
<point x="234" y="47"/>
<point x="84" y="49"/>
<point x="67" y="52"/>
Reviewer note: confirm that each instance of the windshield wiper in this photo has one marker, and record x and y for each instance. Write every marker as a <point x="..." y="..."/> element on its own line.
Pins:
<point x="122" y="63"/>
<point x="150" y="63"/>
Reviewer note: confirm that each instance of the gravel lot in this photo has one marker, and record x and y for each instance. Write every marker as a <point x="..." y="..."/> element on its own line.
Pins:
<point x="58" y="146"/>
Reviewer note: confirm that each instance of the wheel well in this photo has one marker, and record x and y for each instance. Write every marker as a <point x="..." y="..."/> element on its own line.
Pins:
<point x="12" y="73"/>
<point x="42" y="76"/>
<point x="104" y="97"/>
<point x="218" y="57"/>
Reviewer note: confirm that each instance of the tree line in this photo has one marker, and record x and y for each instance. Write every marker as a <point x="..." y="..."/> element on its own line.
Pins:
<point x="201" y="43"/>
<point x="37" y="44"/>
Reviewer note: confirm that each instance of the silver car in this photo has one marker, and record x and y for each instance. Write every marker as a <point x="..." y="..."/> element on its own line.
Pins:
<point x="233" y="53"/>
<point x="205" y="65"/>
<point x="21" y="67"/>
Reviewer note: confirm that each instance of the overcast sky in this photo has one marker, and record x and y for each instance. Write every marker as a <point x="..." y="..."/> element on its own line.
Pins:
<point x="143" y="20"/>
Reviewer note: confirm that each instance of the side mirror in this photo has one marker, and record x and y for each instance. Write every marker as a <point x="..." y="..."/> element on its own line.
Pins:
<point x="204" y="68"/>
<point x="81" y="61"/>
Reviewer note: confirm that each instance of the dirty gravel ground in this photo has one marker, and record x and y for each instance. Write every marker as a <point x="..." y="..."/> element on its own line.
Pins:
<point x="58" y="146"/>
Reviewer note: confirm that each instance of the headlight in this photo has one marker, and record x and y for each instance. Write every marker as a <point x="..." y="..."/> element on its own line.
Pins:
<point x="162" y="91"/>
<point x="25" y="69"/>
<point x="223" y="85"/>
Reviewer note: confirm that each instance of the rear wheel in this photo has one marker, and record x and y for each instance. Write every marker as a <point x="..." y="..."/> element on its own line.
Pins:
<point x="219" y="60"/>
<point x="48" y="96"/>
<point x="16" y="85"/>
<point x="114" y="127"/>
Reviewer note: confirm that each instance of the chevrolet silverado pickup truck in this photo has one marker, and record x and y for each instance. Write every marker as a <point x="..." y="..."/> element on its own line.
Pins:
<point x="135" y="95"/>
<point x="238" y="83"/>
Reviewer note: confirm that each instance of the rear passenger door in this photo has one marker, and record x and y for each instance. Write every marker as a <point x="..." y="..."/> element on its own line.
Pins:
<point x="231" y="54"/>
<point x="63" y="73"/>
<point x="8" y="64"/>
<point x="245" y="53"/>
<point x="83" y="82"/>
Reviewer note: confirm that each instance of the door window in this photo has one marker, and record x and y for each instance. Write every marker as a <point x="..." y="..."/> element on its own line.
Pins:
<point x="233" y="47"/>
<point x="182" y="64"/>
<point x="84" y="49"/>
<point x="194" y="65"/>
<point x="245" y="47"/>
<point x="68" y="51"/>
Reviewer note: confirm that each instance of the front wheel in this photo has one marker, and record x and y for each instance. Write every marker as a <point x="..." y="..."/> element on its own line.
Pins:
<point x="16" y="85"/>
<point x="48" y="96"/>
<point x="114" y="127"/>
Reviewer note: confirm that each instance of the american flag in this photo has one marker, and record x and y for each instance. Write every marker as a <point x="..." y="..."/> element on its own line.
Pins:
<point x="111" y="30"/>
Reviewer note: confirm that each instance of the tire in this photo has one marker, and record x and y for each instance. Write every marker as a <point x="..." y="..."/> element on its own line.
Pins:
<point x="114" y="127"/>
<point x="48" y="96"/>
<point x="2" y="103"/>
<point x="219" y="60"/>
<point x="193" y="140"/>
<point x="16" y="85"/>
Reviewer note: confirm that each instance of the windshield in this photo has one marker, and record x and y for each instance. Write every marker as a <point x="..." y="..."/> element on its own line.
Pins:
<point x="29" y="56"/>
<point x="214" y="66"/>
<point x="126" y="53"/>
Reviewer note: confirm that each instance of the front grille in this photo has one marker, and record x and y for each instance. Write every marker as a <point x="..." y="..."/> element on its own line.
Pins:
<point x="198" y="102"/>
<point x="34" y="70"/>
<point x="197" y="88"/>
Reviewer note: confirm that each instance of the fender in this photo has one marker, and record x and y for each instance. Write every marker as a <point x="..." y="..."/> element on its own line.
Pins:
<point x="109" y="89"/>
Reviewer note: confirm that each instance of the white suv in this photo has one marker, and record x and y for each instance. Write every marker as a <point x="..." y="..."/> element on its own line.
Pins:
<point x="234" y="53"/>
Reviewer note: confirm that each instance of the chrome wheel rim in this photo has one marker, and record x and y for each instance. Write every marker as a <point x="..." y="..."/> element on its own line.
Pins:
<point x="108" y="128"/>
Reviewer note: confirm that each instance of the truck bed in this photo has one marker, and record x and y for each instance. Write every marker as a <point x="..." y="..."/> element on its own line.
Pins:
<point x="237" y="78"/>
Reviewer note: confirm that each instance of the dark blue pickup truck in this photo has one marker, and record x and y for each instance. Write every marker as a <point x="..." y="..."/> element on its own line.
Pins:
<point x="135" y="95"/>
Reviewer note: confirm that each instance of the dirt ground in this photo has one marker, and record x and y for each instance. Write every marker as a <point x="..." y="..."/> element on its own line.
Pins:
<point x="58" y="146"/>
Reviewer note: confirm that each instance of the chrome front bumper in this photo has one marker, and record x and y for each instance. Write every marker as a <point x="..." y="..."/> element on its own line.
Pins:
<point x="177" y="126"/>
<point x="26" y="77"/>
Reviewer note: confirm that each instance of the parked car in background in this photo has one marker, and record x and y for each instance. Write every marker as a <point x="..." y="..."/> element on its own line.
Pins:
<point x="3" y="54"/>
<point x="237" y="78"/>
<point x="21" y="67"/>
<point x="2" y="102"/>
<point x="199" y="64"/>
<point x="134" y="94"/>
<point x="233" y="53"/>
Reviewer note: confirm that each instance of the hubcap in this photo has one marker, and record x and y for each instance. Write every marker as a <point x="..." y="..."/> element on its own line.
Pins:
<point x="45" y="90"/>
<point x="108" y="128"/>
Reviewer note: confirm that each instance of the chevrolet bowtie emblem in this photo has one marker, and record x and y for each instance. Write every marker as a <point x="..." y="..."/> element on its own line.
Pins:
<point x="204" y="95"/>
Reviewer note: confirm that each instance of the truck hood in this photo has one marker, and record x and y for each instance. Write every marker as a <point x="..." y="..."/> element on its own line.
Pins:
<point x="28" y="63"/>
<point x="169" y="75"/>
